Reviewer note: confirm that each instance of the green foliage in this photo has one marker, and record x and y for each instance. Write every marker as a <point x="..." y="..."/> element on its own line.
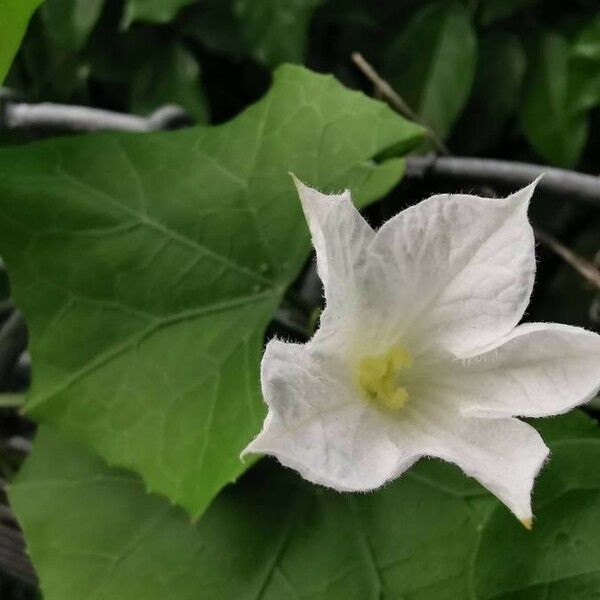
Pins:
<point x="172" y="76"/>
<point x="587" y="44"/>
<point x="491" y="11"/>
<point x="14" y="16"/>
<point x="70" y="22"/>
<point x="496" y="92"/>
<point x="445" y="58"/>
<point x="560" y="557"/>
<point x="551" y="113"/>
<point x="156" y="11"/>
<point x="270" y="31"/>
<point x="275" y="31"/>
<point x="432" y="63"/>
<point x="149" y="266"/>
<point x="94" y="531"/>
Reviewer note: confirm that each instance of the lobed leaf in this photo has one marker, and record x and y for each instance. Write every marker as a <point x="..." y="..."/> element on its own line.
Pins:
<point x="148" y="267"/>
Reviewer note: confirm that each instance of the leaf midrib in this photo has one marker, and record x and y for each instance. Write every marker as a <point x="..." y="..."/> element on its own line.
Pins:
<point x="117" y="349"/>
<point x="148" y="221"/>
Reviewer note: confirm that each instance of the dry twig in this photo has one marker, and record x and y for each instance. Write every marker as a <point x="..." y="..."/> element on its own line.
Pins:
<point x="584" y="267"/>
<point x="387" y="92"/>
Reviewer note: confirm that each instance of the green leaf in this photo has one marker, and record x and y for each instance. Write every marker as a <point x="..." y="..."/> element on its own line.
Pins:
<point x="172" y="75"/>
<point x="14" y="16"/>
<point x="70" y="22"/>
<point x="560" y="558"/>
<point x="153" y="11"/>
<point x="116" y="56"/>
<point x="271" y="31"/>
<point x="94" y="532"/>
<point x="48" y="71"/>
<point x="587" y="44"/>
<point x="584" y="82"/>
<point x="276" y="31"/>
<point x="491" y="11"/>
<point x="147" y="267"/>
<point x="496" y="92"/>
<point x="213" y="24"/>
<point x="432" y="63"/>
<point x="551" y="114"/>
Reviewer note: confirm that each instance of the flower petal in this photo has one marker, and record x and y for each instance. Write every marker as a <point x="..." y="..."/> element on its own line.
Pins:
<point x="504" y="455"/>
<point x="318" y="425"/>
<point x="538" y="370"/>
<point x="454" y="272"/>
<point x="340" y="236"/>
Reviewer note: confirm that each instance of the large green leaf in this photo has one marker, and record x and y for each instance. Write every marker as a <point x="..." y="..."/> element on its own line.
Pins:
<point x="496" y="92"/>
<point x="148" y="266"/>
<point x="432" y="63"/>
<point x="95" y="533"/>
<point x="14" y="16"/>
<point x="561" y="87"/>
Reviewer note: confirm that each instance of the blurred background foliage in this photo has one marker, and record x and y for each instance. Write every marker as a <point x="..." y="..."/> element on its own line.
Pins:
<point x="511" y="79"/>
<point x="505" y="78"/>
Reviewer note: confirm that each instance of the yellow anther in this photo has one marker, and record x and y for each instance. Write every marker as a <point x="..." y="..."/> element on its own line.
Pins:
<point x="396" y="400"/>
<point x="401" y="357"/>
<point x="378" y="378"/>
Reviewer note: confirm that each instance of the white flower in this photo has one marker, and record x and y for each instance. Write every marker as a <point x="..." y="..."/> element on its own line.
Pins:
<point x="418" y="353"/>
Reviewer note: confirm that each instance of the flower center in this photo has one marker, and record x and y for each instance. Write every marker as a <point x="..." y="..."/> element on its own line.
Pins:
<point x="378" y="378"/>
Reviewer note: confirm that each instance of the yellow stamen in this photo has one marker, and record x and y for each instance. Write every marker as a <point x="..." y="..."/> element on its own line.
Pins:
<point x="378" y="378"/>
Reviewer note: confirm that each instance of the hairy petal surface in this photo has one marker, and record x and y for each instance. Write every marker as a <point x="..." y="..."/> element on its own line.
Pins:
<point x="340" y="236"/>
<point x="538" y="370"/>
<point x="452" y="273"/>
<point x="320" y="426"/>
<point x="504" y="455"/>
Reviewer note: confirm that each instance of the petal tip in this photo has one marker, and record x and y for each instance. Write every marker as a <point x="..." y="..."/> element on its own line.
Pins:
<point x="527" y="523"/>
<point x="537" y="179"/>
<point x="295" y="179"/>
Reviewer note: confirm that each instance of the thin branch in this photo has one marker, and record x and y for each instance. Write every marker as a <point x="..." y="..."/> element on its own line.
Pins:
<point x="47" y="115"/>
<point x="505" y="174"/>
<point x="584" y="267"/>
<point x="19" y="444"/>
<point x="395" y="100"/>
